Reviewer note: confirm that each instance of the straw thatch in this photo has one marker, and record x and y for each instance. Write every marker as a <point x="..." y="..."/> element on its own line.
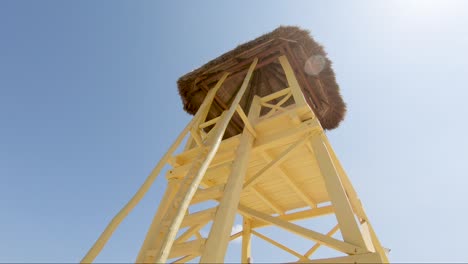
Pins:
<point x="308" y="59"/>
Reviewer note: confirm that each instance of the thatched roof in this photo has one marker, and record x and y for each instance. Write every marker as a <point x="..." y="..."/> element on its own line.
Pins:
<point x="307" y="57"/>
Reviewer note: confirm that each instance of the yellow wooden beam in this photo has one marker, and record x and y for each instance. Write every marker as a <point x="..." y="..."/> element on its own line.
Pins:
<point x="317" y="245"/>
<point x="306" y="214"/>
<point x="279" y="104"/>
<point x="205" y="107"/>
<point x="246" y="121"/>
<point x="189" y="233"/>
<point x="275" y="95"/>
<point x="274" y="163"/>
<point x="292" y="81"/>
<point x="354" y="200"/>
<point x="193" y="247"/>
<point x="196" y="136"/>
<point x="199" y="217"/>
<point x="268" y="201"/>
<point x="152" y="235"/>
<point x="185" y="259"/>
<point x="209" y="123"/>
<point x="115" y="222"/>
<point x="246" y="240"/>
<point x="304" y="232"/>
<point x="218" y="238"/>
<point x="279" y="245"/>
<point x="190" y="184"/>
<point x="211" y="193"/>
<point x="358" y="258"/>
<point x="295" y="186"/>
<point x="343" y="211"/>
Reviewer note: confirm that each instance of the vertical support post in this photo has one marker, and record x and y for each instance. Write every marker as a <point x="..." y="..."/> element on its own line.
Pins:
<point x="120" y="216"/>
<point x="292" y="81"/>
<point x="173" y="218"/>
<point x="355" y="202"/>
<point x="152" y="236"/>
<point x="218" y="239"/>
<point x="343" y="211"/>
<point x="246" y="240"/>
<point x="204" y="113"/>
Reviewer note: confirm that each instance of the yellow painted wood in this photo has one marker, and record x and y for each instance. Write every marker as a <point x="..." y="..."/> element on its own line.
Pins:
<point x="151" y="236"/>
<point x="246" y="240"/>
<point x="193" y="247"/>
<point x="317" y="245"/>
<point x="279" y="245"/>
<point x="304" y="232"/>
<point x="275" y="95"/>
<point x="204" y="109"/>
<point x="254" y="179"/>
<point x="211" y="193"/>
<point x="288" y="179"/>
<point x="209" y="123"/>
<point x="185" y="259"/>
<point x="246" y="121"/>
<point x="189" y="233"/>
<point x="191" y="182"/>
<point x="199" y="217"/>
<point x="196" y="137"/>
<point x="343" y="211"/>
<point x="292" y="81"/>
<point x="267" y="200"/>
<point x="218" y="238"/>
<point x="278" y="105"/>
<point x="282" y="170"/>
<point x="355" y="202"/>
<point x="306" y="214"/>
<point x="115" y="222"/>
<point x="359" y="258"/>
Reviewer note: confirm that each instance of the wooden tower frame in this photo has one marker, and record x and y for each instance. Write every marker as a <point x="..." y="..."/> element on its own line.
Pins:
<point x="277" y="164"/>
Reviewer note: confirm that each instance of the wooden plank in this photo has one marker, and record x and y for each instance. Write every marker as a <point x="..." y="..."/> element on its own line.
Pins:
<point x="343" y="211"/>
<point x="317" y="245"/>
<point x="306" y="214"/>
<point x="292" y="81"/>
<point x="209" y="123"/>
<point x="151" y="235"/>
<point x="120" y="216"/>
<point x="304" y="232"/>
<point x="246" y="240"/>
<point x="279" y="245"/>
<point x="185" y="259"/>
<point x="191" y="182"/>
<point x="199" y="217"/>
<point x="187" y="234"/>
<point x="297" y="189"/>
<point x="211" y="193"/>
<point x="358" y="258"/>
<point x="274" y="163"/>
<point x="193" y="247"/>
<point x="246" y="121"/>
<point x="279" y="104"/>
<point x="264" y="197"/>
<point x="275" y="95"/>
<point x="354" y="200"/>
<point x="218" y="238"/>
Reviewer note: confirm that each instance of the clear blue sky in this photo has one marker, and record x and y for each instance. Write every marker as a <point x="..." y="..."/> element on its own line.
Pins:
<point x="88" y="105"/>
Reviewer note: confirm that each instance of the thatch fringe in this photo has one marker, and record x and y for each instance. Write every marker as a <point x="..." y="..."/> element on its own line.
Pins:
<point x="330" y="111"/>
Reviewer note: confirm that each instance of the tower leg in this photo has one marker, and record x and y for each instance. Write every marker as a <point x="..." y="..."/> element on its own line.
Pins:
<point x="218" y="239"/>
<point x="343" y="211"/>
<point x="173" y="218"/>
<point x="246" y="240"/>
<point x="152" y="235"/>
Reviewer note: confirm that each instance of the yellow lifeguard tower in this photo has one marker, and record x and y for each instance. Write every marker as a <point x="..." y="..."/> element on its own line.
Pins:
<point x="256" y="146"/>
